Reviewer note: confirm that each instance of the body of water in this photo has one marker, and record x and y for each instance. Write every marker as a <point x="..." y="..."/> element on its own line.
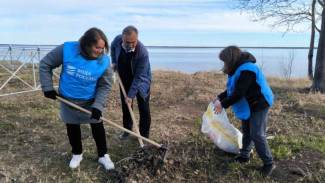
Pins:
<point x="191" y="60"/>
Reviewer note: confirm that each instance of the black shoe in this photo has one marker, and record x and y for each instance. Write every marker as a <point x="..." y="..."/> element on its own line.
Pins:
<point x="123" y="135"/>
<point x="268" y="169"/>
<point x="241" y="159"/>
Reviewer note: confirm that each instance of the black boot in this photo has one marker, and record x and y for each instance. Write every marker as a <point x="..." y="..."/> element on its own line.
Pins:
<point x="268" y="169"/>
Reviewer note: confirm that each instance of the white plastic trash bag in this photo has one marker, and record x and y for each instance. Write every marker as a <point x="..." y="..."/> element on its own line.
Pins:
<point x="223" y="134"/>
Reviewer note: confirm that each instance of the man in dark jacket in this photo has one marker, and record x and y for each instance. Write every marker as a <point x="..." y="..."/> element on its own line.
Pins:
<point x="131" y="59"/>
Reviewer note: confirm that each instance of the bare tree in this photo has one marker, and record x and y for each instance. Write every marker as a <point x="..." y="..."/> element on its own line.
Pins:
<point x="286" y="65"/>
<point x="312" y="40"/>
<point x="261" y="62"/>
<point x="288" y="14"/>
<point x="319" y="77"/>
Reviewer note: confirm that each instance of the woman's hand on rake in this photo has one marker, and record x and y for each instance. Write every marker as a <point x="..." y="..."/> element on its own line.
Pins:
<point x="96" y="114"/>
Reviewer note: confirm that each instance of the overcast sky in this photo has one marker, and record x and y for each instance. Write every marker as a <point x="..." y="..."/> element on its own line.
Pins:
<point x="160" y="23"/>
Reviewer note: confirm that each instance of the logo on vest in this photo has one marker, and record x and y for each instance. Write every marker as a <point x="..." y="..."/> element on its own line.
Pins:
<point x="86" y="75"/>
<point x="71" y="70"/>
<point x="82" y="74"/>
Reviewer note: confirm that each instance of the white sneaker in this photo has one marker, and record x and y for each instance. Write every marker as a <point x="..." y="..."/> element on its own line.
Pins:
<point x="75" y="161"/>
<point x="107" y="162"/>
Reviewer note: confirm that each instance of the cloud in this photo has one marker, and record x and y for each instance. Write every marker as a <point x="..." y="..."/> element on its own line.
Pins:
<point x="46" y="22"/>
<point x="168" y="14"/>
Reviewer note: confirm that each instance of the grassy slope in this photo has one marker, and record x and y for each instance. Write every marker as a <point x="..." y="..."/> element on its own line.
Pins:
<point x="34" y="146"/>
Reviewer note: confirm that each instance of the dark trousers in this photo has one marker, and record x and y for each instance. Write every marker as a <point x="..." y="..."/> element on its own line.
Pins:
<point x="254" y="131"/>
<point x="98" y="131"/>
<point x="144" y="110"/>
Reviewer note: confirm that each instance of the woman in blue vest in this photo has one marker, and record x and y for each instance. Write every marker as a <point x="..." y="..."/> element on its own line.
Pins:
<point x="250" y="97"/>
<point x="85" y="80"/>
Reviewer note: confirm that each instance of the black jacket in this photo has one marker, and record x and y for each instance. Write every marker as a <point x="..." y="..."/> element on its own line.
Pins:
<point x="246" y="86"/>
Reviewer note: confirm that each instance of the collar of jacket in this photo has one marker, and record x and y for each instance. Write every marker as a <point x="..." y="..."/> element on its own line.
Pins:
<point x="136" y="48"/>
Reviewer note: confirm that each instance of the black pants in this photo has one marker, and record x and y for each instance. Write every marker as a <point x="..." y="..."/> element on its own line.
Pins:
<point x="98" y="131"/>
<point x="144" y="110"/>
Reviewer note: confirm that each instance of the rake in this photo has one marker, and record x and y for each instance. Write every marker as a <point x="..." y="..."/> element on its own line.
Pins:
<point x="130" y="109"/>
<point x="164" y="148"/>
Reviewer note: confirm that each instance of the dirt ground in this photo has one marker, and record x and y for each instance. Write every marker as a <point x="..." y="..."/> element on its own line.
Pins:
<point x="34" y="146"/>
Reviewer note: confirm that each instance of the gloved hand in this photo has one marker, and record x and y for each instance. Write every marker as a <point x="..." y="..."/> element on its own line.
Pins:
<point x="50" y="94"/>
<point x="96" y="114"/>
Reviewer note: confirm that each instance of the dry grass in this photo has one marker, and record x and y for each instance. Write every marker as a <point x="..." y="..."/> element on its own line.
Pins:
<point x="34" y="146"/>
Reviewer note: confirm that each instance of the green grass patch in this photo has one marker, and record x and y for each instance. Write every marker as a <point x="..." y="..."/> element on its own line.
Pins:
<point x="284" y="146"/>
<point x="7" y="126"/>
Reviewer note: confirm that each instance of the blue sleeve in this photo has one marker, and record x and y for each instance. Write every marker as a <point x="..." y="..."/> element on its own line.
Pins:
<point x="140" y="73"/>
<point x="113" y="57"/>
<point x="113" y="48"/>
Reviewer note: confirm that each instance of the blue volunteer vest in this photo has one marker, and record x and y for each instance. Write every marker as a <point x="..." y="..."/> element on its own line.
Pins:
<point x="79" y="76"/>
<point x="241" y="108"/>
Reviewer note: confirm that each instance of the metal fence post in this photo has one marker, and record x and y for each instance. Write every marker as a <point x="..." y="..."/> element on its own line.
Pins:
<point x="39" y="53"/>
<point x="11" y="62"/>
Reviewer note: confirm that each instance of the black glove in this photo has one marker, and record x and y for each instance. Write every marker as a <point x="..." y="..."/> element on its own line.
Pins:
<point x="96" y="114"/>
<point x="50" y="94"/>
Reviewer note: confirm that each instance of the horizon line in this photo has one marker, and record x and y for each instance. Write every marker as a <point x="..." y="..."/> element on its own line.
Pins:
<point x="254" y="47"/>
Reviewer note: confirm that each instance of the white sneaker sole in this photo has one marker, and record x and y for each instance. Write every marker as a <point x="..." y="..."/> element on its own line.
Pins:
<point x="110" y="167"/>
<point x="73" y="167"/>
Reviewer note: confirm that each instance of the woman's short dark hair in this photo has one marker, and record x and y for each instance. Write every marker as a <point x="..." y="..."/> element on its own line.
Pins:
<point x="230" y="56"/>
<point x="91" y="37"/>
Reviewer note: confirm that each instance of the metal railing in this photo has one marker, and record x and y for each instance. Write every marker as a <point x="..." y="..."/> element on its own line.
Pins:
<point x="19" y="67"/>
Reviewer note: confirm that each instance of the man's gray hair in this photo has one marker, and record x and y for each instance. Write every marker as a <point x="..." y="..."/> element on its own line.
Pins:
<point x="128" y="30"/>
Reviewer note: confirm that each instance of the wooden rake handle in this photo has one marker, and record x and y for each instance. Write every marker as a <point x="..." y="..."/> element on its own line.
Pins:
<point x="130" y="108"/>
<point x="112" y="123"/>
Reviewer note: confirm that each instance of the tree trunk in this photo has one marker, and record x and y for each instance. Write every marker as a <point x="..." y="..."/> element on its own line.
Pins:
<point x="319" y="80"/>
<point x="312" y="41"/>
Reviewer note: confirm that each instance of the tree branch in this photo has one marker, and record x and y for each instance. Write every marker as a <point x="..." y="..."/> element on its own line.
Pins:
<point x="283" y="13"/>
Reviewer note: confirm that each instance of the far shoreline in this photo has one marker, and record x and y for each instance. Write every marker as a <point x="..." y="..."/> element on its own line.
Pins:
<point x="17" y="46"/>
